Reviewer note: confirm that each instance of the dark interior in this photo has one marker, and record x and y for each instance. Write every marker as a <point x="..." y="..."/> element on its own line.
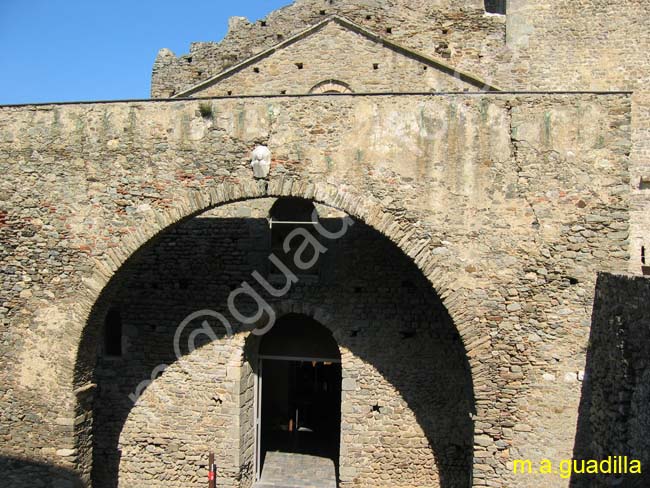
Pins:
<point x="301" y="389"/>
<point x="301" y="407"/>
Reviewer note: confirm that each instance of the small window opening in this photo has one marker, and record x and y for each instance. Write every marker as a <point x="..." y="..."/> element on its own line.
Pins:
<point x="375" y="66"/>
<point x="407" y="334"/>
<point x="495" y="6"/>
<point x="280" y="37"/>
<point x="300" y="65"/>
<point x="643" y="255"/>
<point x="256" y="70"/>
<point x="283" y="92"/>
<point x="376" y="408"/>
<point x="445" y="32"/>
<point x="322" y="12"/>
<point x="286" y="216"/>
<point x="229" y="92"/>
<point x="263" y="23"/>
<point x="368" y="17"/>
<point x="113" y="333"/>
<point x="389" y="30"/>
<point x="189" y="59"/>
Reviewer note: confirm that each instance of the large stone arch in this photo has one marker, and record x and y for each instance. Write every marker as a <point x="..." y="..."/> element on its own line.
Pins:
<point x="413" y="240"/>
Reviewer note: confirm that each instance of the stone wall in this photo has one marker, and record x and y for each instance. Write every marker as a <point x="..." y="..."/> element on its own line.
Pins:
<point x="587" y="45"/>
<point x="614" y="416"/>
<point x="457" y="32"/>
<point x="549" y="45"/>
<point x="335" y="52"/>
<point x="508" y="205"/>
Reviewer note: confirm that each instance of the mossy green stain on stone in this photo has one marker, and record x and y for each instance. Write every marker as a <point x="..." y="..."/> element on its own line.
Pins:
<point x="270" y="110"/>
<point x="453" y="111"/>
<point x="483" y="109"/>
<point x="427" y="125"/>
<point x="185" y="125"/>
<point x="79" y="124"/>
<point x="106" y="121"/>
<point x="56" y="121"/>
<point x="547" y="127"/>
<point x="133" y="121"/>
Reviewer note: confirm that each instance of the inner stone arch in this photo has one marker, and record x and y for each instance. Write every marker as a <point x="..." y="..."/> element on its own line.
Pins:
<point x="369" y="294"/>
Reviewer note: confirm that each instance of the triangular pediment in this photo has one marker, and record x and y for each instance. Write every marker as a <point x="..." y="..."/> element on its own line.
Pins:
<point x="338" y="51"/>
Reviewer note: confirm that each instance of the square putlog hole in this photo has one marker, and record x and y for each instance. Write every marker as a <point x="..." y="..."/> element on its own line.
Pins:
<point x="644" y="183"/>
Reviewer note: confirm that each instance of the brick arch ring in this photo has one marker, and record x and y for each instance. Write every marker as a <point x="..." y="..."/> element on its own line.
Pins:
<point x="363" y="207"/>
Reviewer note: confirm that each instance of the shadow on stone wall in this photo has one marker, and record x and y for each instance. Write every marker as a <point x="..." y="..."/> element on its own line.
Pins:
<point x="19" y="473"/>
<point x="437" y="388"/>
<point x="614" y="412"/>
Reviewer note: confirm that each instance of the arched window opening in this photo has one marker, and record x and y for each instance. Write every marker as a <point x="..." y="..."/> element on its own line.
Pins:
<point x="495" y="6"/>
<point x="331" y="86"/>
<point x="113" y="333"/>
<point x="286" y="217"/>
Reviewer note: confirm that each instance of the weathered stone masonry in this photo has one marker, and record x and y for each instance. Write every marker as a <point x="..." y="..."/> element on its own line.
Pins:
<point x="613" y="417"/>
<point x="503" y="204"/>
<point x="549" y="45"/>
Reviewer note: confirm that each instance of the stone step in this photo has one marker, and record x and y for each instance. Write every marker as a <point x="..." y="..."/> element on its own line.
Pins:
<point x="291" y="470"/>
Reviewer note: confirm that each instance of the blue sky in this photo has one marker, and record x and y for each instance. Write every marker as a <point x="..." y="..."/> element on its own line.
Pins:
<point x="73" y="50"/>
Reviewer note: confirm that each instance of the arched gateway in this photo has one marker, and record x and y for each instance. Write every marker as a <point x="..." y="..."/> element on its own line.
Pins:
<point x="394" y="404"/>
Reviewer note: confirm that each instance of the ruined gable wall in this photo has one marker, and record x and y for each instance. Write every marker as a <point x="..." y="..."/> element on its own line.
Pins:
<point x="335" y="53"/>
<point x="456" y="32"/>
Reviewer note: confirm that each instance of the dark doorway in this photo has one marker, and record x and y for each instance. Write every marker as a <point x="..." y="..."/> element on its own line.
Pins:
<point x="300" y="395"/>
<point x="301" y="407"/>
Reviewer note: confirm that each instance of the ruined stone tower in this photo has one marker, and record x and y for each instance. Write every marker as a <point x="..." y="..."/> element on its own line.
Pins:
<point x="461" y="170"/>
